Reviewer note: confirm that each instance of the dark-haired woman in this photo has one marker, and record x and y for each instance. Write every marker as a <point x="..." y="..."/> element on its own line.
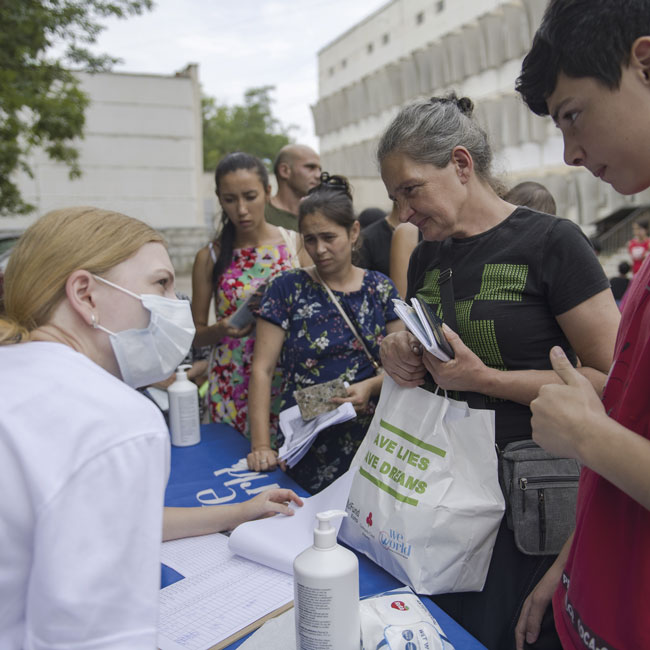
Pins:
<point x="300" y="326"/>
<point x="247" y="252"/>
<point x="523" y="281"/>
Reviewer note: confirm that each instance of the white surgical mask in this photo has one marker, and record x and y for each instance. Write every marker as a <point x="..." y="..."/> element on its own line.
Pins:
<point x="146" y="356"/>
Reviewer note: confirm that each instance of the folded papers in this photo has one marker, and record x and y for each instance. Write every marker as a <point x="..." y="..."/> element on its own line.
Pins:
<point x="299" y="434"/>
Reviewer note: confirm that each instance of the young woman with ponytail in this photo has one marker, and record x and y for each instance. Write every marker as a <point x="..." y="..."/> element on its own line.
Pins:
<point x="246" y="253"/>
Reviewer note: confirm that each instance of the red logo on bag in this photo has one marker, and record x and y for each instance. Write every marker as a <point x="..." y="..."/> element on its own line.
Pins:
<point x="398" y="604"/>
<point x="369" y="519"/>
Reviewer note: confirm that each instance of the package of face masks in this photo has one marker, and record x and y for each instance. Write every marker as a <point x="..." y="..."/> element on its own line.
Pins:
<point x="398" y="620"/>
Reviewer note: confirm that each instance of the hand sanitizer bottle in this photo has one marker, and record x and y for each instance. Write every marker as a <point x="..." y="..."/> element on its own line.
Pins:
<point x="184" y="422"/>
<point x="326" y="592"/>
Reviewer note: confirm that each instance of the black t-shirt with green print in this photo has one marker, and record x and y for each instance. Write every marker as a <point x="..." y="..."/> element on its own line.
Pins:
<point x="510" y="283"/>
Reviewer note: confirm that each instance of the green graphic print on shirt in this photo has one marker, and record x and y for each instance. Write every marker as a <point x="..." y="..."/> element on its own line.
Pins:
<point x="499" y="282"/>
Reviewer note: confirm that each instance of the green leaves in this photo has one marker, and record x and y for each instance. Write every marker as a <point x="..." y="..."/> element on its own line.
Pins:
<point x="251" y="128"/>
<point x="41" y="103"/>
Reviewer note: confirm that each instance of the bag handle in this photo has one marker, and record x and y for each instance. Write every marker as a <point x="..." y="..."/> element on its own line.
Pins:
<point x="353" y="329"/>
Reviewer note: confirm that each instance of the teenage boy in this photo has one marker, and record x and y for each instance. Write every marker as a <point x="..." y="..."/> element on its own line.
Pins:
<point x="589" y="68"/>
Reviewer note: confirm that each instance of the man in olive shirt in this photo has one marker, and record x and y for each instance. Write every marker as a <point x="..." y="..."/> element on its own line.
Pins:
<point x="297" y="170"/>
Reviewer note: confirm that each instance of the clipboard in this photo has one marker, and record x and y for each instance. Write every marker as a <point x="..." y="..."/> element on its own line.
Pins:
<point x="252" y="627"/>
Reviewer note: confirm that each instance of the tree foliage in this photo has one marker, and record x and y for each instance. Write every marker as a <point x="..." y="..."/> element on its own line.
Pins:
<point x="41" y="103"/>
<point x="251" y="128"/>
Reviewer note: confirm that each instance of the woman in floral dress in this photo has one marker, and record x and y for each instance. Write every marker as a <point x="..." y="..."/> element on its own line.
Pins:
<point x="300" y="326"/>
<point x="246" y="254"/>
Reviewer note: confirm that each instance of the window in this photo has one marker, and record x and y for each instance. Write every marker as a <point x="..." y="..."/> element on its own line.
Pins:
<point x="369" y="48"/>
<point x="419" y="18"/>
<point x="331" y="71"/>
<point x="344" y="62"/>
<point x="440" y="5"/>
<point x="385" y="38"/>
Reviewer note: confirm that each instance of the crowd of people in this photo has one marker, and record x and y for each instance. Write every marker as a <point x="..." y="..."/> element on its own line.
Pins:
<point x="538" y="337"/>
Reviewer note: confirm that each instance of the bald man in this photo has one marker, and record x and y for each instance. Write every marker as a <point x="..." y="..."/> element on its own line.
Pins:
<point x="297" y="170"/>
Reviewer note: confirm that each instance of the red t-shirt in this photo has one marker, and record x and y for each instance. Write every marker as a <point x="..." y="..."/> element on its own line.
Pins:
<point x="602" y="600"/>
<point x="638" y="251"/>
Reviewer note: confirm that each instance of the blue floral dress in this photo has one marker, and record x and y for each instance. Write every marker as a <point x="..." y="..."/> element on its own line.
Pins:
<point x="318" y="347"/>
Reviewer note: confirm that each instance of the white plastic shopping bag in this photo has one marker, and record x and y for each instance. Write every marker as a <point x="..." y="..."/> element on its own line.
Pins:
<point x="425" y="502"/>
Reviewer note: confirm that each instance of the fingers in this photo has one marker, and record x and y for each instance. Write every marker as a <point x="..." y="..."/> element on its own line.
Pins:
<point x="449" y="333"/>
<point x="520" y="630"/>
<point x="284" y="495"/>
<point x="563" y="368"/>
<point x="279" y="500"/>
<point x="281" y="508"/>
<point x="262" y="460"/>
<point x="406" y="380"/>
<point x="530" y="619"/>
<point x="238" y="333"/>
<point x="291" y="495"/>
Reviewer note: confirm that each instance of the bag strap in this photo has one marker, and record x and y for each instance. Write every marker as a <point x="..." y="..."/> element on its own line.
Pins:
<point x="353" y="329"/>
<point x="448" y="302"/>
<point x="446" y="286"/>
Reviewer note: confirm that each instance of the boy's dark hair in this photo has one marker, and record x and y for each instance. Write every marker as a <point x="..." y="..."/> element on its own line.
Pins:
<point x="623" y="268"/>
<point x="581" y="38"/>
<point x="532" y="195"/>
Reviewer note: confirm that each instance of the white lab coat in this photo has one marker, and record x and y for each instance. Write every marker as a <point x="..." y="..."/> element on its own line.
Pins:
<point x="84" y="460"/>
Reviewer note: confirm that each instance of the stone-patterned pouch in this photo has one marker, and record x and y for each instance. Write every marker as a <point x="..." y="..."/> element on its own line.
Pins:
<point x="315" y="400"/>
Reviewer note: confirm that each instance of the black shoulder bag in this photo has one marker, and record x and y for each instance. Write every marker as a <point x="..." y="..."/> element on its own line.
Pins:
<point x="540" y="490"/>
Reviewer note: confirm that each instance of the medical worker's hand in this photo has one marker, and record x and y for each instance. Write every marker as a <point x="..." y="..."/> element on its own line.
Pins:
<point x="271" y="502"/>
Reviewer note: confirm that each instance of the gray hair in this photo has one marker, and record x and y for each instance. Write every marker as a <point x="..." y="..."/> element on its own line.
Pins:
<point x="428" y="131"/>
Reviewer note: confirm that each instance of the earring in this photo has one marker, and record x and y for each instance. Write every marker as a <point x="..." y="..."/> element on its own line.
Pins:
<point x="93" y="321"/>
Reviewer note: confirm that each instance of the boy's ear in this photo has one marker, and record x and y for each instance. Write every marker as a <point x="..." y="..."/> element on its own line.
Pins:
<point x="640" y="56"/>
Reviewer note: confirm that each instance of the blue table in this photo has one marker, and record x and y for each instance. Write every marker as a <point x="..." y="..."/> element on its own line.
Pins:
<point x="203" y="474"/>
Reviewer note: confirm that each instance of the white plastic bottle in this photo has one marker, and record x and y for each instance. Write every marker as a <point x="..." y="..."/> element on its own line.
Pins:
<point x="184" y="422"/>
<point x="326" y="592"/>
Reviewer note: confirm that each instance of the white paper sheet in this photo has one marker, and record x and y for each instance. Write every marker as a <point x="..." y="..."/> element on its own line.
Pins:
<point x="275" y="542"/>
<point x="220" y="594"/>
<point x="223" y="592"/>
<point x="299" y="435"/>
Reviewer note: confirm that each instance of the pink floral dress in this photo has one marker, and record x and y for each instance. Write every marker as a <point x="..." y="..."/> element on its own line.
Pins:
<point x="231" y="359"/>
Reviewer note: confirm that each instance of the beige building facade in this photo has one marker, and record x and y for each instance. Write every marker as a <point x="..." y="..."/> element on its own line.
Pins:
<point x="410" y="49"/>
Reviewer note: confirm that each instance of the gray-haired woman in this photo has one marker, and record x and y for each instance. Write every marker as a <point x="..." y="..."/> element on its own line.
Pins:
<point x="523" y="282"/>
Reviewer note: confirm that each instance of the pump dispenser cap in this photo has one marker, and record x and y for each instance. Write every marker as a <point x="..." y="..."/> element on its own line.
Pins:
<point x="181" y="371"/>
<point x="325" y="534"/>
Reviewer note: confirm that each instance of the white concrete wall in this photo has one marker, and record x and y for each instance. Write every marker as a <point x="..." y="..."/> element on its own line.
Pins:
<point x="399" y="20"/>
<point x="473" y="47"/>
<point x="141" y="153"/>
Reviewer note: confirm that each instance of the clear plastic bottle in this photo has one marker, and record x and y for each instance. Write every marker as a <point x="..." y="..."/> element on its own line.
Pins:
<point x="326" y="592"/>
<point x="184" y="423"/>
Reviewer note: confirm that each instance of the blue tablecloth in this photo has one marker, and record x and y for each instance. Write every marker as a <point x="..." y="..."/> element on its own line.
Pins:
<point x="202" y="474"/>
